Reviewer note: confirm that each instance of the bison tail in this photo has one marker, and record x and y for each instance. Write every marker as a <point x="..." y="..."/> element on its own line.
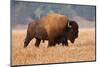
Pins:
<point x="28" y="37"/>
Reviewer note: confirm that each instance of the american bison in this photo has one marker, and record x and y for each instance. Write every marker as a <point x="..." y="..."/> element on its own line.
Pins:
<point x="54" y="28"/>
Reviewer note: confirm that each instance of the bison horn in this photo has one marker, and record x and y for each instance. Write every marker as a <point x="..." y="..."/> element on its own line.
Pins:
<point x="69" y="24"/>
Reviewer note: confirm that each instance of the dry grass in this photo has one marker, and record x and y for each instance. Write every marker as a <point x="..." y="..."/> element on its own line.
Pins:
<point x="82" y="50"/>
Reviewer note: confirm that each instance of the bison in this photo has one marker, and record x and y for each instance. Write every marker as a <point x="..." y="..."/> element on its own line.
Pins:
<point x="53" y="28"/>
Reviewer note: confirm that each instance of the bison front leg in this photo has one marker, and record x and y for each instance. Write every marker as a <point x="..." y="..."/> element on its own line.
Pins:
<point x="65" y="43"/>
<point x="51" y="43"/>
<point x="37" y="42"/>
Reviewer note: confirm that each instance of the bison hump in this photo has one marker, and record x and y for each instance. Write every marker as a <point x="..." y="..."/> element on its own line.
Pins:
<point x="54" y="24"/>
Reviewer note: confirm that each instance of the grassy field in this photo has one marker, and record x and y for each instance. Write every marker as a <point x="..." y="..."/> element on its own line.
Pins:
<point x="82" y="50"/>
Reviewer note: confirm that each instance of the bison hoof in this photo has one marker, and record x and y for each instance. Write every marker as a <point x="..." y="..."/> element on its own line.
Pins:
<point x="65" y="45"/>
<point x="36" y="46"/>
<point x="25" y="46"/>
<point x="50" y="46"/>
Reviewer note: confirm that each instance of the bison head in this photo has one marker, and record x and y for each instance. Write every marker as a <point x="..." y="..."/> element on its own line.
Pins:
<point x="72" y="31"/>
